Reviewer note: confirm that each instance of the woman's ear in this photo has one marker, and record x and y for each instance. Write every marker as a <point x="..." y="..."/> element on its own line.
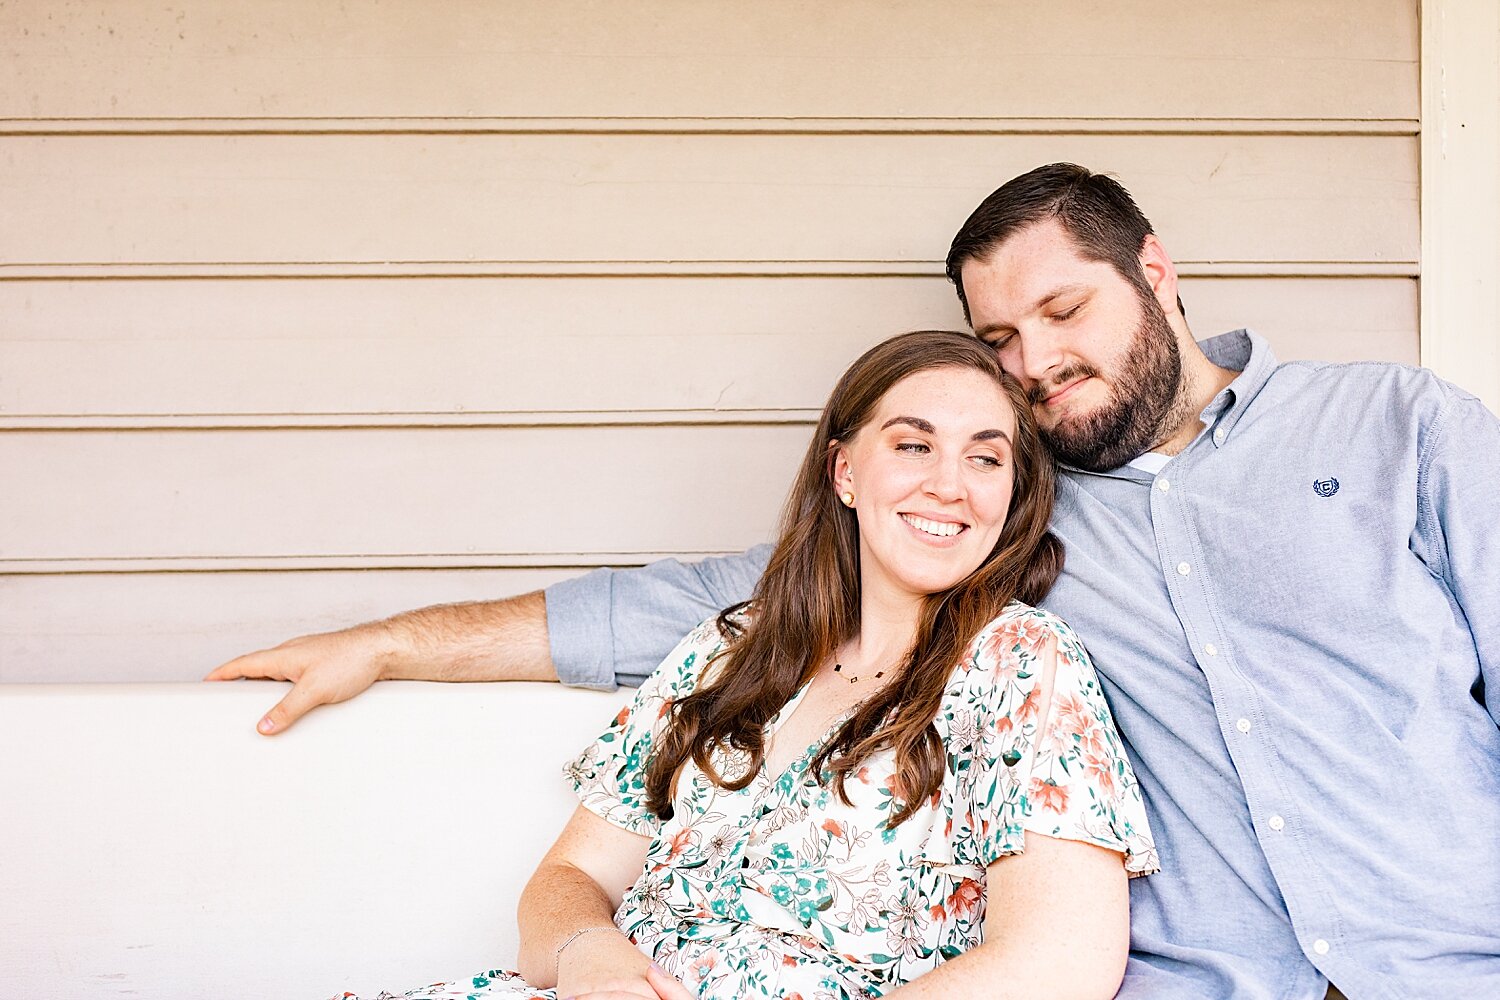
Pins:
<point x="843" y="475"/>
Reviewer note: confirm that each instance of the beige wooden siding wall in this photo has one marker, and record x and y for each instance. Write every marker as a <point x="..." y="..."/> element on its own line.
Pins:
<point x="311" y="312"/>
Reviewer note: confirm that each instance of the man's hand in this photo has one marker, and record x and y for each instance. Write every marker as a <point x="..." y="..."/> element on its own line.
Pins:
<point x="504" y="640"/>
<point x="325" y="668"/>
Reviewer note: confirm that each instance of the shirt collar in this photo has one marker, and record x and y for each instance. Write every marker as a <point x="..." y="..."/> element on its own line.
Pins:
<point x="1246" y="352"/>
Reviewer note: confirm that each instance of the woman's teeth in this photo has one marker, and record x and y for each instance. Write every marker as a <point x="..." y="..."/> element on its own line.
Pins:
<point x="942" y="529"/>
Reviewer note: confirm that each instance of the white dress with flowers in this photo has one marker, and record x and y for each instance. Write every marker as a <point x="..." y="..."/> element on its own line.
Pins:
<point x="781" y="889"/>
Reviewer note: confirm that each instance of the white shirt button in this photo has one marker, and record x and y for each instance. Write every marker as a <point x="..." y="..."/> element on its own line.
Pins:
<point x="1320" y="946"/>
<point x="1276" y="823"/>
<point x="1244" y="726"/>
<point x="1219" y="436"/>
<point x="1163" y="484"/>
<point x="1211" y="649"/>
<point x="1183" y="569"/>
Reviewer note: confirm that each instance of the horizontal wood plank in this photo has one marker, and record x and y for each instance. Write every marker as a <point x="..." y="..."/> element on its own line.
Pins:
<point x="662" y="198"/>
<point x="710" y="126"/>
<point x="534" y="350"/>
<point x="448" y="491"/>
<point x="177" y="627"/>
<point x="776" y="58"/>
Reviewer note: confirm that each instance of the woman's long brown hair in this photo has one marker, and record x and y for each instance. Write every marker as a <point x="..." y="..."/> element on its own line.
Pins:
<point x="807" y="603"/>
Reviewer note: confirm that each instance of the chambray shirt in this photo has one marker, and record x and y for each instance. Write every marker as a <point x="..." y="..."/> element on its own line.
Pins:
<point x="1297" y="624"/>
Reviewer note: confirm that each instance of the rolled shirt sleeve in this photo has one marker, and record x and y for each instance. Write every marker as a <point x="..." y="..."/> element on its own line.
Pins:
<point x="614" y="626"/>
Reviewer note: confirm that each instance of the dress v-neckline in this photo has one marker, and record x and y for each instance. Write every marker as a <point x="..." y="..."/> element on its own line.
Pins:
<point x="811" y="750"/>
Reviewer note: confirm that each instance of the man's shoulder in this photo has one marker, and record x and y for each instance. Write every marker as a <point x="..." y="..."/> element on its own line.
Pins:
<point x="1357" y="389"/>
<point x="1351" y="376"/>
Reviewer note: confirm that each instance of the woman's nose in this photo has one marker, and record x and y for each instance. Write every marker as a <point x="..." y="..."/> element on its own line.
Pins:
<point x="945" y="481"/>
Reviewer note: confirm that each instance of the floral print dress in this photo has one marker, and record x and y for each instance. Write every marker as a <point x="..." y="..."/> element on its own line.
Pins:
<point x="781" y="889"/>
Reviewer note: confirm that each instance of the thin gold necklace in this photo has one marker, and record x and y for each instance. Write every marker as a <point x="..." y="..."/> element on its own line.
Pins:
<point x="838" y="668"/>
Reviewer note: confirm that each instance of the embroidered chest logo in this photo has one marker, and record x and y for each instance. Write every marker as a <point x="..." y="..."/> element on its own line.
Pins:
<point x="1325" y="487"/>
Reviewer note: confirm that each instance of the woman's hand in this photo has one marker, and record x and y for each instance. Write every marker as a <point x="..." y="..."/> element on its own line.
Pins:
<point x="606" y="966"/>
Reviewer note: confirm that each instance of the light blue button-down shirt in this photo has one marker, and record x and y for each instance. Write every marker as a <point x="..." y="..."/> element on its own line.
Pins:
<point x="1297" y="623"/>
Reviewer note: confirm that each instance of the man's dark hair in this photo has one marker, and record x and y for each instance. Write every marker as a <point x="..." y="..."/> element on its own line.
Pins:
<point x="1094" y="210"/>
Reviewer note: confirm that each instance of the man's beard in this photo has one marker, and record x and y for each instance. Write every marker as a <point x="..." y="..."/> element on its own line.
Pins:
<point x="1145" y="391"/>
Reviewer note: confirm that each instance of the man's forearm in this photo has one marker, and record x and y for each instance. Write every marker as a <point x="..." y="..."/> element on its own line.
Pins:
<point x="503" y="640"/>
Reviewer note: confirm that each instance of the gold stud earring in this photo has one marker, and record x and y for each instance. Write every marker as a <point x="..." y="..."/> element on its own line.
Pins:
<point x="848" y="497"/>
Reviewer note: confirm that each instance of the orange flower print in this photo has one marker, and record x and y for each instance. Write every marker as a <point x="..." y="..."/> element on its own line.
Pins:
<point x="701" y="967"/>
<point x="624" y="714"/>
<point x="679" y="842"/>
<point x="1028" y="633"/>
<point x="1100" y="768"/>
<point x="833" y="827"/>
<point x="1092" y="740"/>
<point x="1073" y="714"/>
<point x="1052" y="796"/>
<point x="1032" y="704"/>
<point x="965" y="899"/>
<point x="997" y="650"/>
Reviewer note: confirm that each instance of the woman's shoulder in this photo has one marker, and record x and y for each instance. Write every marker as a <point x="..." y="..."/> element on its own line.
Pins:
<point x="1023" y="629"/>
<point x="684" y="667"/>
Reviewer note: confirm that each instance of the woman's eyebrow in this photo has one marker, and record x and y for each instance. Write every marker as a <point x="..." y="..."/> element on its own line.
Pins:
<point x="925" y="426"/>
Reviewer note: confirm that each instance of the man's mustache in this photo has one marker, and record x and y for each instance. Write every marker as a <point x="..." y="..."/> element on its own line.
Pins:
<point x="1042" y="390"/>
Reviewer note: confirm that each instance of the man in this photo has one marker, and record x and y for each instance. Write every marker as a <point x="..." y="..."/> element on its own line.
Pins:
<point x="1286" y="575"/>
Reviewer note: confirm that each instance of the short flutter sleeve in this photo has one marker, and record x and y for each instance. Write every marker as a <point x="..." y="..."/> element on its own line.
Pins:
<point x="1036" y="749"/>
<point x="610" y="774"/>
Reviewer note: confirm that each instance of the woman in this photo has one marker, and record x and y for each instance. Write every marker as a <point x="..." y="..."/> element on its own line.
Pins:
<point x="886" y="774"/>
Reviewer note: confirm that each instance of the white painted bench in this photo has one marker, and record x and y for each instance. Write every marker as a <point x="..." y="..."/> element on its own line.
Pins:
<point x="152" y="845"/>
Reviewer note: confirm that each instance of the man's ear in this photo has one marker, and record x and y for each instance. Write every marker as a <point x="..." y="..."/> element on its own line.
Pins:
<point x="1160" y="274"/>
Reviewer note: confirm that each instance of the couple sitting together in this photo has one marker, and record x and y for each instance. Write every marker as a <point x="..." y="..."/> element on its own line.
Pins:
<point x="882" y="764"/>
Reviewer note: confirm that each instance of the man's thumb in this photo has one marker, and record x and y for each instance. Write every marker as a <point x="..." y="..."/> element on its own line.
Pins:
<point x="298" y="701"/>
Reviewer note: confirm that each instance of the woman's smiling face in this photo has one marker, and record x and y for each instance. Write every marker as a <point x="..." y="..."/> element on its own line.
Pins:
<point x="932" y="474"/>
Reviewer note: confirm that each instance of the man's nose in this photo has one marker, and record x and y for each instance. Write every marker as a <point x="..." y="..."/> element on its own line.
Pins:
<point x="1039" y="355"/>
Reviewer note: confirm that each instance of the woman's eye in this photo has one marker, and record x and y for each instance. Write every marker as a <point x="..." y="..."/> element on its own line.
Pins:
<point x="913" y="447"/>
<point x="989" y="461"/>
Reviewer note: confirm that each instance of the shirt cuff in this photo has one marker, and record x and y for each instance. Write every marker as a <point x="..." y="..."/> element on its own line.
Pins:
<point x="578" y="632"/>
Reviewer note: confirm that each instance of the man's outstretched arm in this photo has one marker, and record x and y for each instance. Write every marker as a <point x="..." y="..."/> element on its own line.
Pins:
<point x="502" y="640"/>
<point x="607" y="627"/>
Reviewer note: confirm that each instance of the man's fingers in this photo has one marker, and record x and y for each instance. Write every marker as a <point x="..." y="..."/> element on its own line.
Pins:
<point x="297" y="703"/>
<point x="265" y="664"/>
<point x="231" y="671"/>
